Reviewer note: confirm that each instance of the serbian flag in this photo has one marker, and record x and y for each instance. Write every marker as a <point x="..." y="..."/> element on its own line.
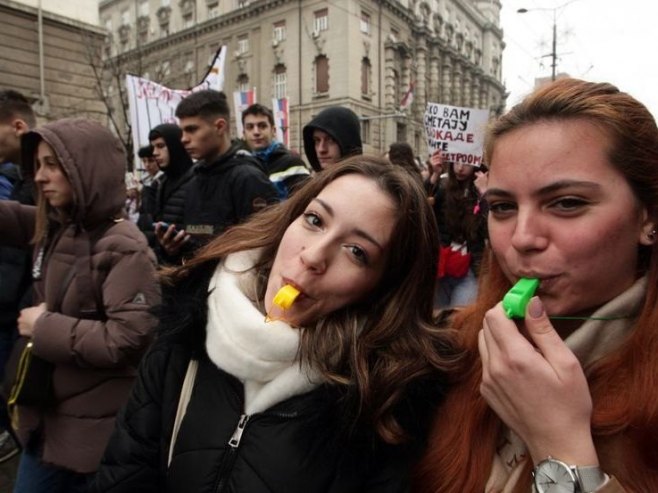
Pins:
<point x="281" y="115"/>
<point x="408" y="97"/>
<point x="241" y="101"/>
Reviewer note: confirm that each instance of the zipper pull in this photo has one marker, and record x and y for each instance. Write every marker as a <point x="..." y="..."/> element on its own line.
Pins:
<point x="234" y="442"/>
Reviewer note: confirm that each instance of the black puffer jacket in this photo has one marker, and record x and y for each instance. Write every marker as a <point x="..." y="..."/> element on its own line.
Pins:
<point x="299" y="445"/>
<point x="225" y="192"/>
<point x="343" y="126"/>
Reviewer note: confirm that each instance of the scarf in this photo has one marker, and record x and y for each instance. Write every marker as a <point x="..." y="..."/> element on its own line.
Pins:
<point x="262" y="355"/>
<point x="264" y="154"/>
<point x="591" y="341"/>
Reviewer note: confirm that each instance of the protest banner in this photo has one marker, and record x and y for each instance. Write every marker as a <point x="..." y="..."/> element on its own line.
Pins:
<point x="280" y="111"/>
<point x="456" y="131"/>
<point x="151" y="104"/>
<point x="241" y="101"/>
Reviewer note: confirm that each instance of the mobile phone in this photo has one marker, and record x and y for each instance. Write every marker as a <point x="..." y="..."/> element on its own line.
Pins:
<point x="165" y="226"/>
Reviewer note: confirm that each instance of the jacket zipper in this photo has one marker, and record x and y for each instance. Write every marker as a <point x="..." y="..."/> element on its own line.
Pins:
<point x="231" y="453"/>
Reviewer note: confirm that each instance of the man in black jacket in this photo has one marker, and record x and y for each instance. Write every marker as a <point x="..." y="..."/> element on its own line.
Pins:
<point x="334" y="134"/>
<point x="286" y="170"/>
<point x="228" y="184"/>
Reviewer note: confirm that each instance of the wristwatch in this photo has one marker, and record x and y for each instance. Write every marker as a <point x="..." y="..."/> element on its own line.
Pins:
<point x="554" y="476"/>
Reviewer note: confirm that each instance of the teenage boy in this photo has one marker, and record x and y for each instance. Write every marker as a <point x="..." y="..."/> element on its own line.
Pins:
<point x="228" y="184"/>
<point x="285" y="169"/>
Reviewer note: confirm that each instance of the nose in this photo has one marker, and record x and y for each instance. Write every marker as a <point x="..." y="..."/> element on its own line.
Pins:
<point x="185" y="139"/>
<point x="315" y="256"/>
<point x="321" y="147"/>
<point x="39" y="175"/>
<point x="528" y="234"/>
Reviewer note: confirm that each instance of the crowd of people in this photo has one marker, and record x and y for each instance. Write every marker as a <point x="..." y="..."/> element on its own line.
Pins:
<point x="144" y="345"/>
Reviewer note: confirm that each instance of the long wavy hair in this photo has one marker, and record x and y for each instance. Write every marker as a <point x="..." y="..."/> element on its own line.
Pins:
<point x="379" y="347"/>
<point x="623" y="386"/>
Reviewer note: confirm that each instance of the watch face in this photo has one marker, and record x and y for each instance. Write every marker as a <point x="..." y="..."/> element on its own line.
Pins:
<point x="553" y="476"/>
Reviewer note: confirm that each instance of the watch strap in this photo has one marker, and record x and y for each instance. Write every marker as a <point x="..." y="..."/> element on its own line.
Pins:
<point x="590" y="478"/>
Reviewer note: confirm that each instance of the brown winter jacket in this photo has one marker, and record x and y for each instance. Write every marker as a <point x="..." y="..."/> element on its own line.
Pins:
<point x="91" y="261"/>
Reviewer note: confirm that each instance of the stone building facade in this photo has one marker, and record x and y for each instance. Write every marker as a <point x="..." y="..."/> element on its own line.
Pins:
<point x="45" y="57"/>
<point x="363" y="54"/>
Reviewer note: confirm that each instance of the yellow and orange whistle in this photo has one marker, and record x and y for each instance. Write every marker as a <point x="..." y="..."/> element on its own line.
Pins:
<point x="284" y="298"/>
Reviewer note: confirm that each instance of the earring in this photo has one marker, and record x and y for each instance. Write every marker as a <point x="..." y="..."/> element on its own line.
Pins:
<point x="651" y="236"/>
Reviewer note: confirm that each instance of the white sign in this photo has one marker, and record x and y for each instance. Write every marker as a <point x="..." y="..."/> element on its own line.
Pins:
<point x="457" y="132"/>
<point x="151" y="104"/>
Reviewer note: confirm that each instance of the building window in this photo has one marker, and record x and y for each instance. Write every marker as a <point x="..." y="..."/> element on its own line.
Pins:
<point x="397" y="97"/>
<point x="401" y="132"/>
<point x="365" y="76"/>
<point x="243" y="82"/>
<point x="213" y="10"/>
<point x="143" y="8"/>
<point x="321" y="21"/>
<point x="280" y="81"/>
<point x="188" y="20"/>
<point x="365" y="131"/>
<point x="243" y="3"/>
<point x="125" y="17"/>
<point x="365" y="23"/>
<point x="243" y="43"/>
<point x="321" y="74"/>
<point x="164" y="29"/>
<point x="279" y="31"/>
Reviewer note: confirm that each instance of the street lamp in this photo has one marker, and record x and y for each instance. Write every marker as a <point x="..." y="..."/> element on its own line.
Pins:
<point x="553" y="53"/>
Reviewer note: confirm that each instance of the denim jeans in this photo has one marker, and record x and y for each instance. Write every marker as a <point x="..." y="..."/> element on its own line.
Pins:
<point x="456" y="291"/>
<point x="35" y="476"/>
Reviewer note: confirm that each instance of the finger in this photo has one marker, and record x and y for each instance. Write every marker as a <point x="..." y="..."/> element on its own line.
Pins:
<point x="543" y="334"/>
<point x="504" y="332"/>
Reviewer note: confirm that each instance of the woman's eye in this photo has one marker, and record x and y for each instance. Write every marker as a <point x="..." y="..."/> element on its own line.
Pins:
<point x="359" y="254"/>
<point x="312" y="219"/>
<point x="501" y="207"/>
<point x="568" y="204"/>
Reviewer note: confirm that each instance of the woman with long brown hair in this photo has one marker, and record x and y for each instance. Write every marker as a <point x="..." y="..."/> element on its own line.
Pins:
<point x="329" y="394"/>
<point x="564" y="399"/>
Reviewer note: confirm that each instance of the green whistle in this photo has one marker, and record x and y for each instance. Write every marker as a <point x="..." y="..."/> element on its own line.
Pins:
<point x="517" y="298"/>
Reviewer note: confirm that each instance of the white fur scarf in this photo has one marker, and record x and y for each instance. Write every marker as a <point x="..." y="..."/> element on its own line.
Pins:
<point x="263" y="355"/>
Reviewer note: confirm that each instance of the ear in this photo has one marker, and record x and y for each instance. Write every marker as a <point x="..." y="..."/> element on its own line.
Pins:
<point x="648" y="234"/>
<point x="220" y="125"/>
<point x="20" y="126"/>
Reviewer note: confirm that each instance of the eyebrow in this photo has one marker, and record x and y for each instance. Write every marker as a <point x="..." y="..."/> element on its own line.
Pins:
<point x="548" y="189"/>
<point x="356" y="231"/>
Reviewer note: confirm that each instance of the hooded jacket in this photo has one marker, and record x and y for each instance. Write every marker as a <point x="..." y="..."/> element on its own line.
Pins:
<point x="171" y="190"/>
<point x="96" y="275"/>
<point x="343" y="126"/>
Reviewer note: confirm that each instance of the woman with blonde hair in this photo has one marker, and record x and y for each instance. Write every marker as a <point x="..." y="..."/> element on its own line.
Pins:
<point x="564" y="399"/>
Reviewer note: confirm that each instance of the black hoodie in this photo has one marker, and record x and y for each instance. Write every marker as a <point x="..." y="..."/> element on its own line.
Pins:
<point x="171" y="194"/>
<point x="343" y="126"/>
